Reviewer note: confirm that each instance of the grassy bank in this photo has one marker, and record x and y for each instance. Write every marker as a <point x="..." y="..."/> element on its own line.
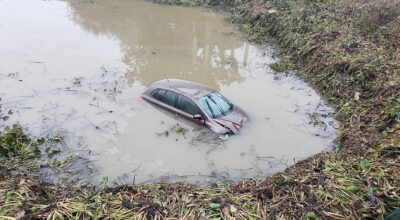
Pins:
<point x="348" y="50"/>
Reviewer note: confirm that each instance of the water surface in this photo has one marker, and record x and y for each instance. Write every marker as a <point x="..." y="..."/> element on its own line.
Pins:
<point x="77" y="68"/>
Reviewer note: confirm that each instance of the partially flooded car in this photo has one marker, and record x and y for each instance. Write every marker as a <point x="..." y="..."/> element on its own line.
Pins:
<point x="197" y="103"/>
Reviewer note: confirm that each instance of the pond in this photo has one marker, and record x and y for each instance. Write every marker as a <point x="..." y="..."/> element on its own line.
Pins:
<point x="77" y="69"/>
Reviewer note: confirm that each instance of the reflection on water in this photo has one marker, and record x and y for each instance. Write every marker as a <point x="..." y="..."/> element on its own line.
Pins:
<point x="161" y="41"/>
<point x="77" y="68"/>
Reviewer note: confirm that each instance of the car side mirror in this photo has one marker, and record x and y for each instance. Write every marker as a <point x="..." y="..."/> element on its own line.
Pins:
<point x="198" y="117"/>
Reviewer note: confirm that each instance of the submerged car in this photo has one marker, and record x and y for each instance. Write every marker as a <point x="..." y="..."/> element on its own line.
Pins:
<point x="197" y="103"/>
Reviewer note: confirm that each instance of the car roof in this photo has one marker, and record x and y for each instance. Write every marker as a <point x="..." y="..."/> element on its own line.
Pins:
<point x="190" y="89"/>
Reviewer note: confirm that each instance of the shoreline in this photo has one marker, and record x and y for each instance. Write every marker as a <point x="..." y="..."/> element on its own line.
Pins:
<point x="359" y="178"/>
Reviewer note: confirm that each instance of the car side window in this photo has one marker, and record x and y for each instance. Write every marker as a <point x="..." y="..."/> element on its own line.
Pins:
<point x="187" y="105"/>
<point x="165" y="96"/>
<point x="156" y="94"/>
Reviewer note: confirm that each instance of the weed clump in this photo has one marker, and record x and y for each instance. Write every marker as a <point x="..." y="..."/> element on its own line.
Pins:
<point x="14" y="142"/>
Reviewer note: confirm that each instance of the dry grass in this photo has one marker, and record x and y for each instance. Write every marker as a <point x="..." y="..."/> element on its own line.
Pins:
<point x="349" y="51"/>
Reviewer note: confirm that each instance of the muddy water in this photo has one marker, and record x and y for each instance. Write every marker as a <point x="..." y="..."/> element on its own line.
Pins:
<point x="77" y="69"/>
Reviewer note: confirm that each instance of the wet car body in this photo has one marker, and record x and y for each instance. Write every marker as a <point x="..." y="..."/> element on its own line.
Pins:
<point x="197" y="103"/>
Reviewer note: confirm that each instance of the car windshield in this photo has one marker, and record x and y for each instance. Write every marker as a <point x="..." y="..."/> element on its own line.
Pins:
<point x="215" y="104"/>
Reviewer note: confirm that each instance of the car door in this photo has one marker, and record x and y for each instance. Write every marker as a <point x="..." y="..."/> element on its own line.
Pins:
<point x="168" y="98"/>
<point x="188" y="107"/>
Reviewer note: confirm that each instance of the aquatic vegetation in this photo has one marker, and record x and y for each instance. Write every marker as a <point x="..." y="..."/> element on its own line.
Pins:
<point x="14" y="142"/>
<point x="176" y="128"/>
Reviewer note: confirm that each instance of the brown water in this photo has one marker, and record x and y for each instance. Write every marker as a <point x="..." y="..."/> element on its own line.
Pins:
<point x="77" y="68"/>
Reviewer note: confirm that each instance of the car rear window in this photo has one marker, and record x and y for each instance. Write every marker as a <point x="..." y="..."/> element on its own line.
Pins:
<point x="164" y="96"/>
<point x="215" y="104"/>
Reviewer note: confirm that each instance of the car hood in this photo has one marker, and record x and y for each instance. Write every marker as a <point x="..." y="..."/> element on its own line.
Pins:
<point x="234" y="120"/>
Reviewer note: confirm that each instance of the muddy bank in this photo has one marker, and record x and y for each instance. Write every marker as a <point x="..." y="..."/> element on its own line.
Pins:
<point x="354" y="64"/>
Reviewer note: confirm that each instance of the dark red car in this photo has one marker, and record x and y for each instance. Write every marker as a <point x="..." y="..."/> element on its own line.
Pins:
<point x="197" y="103"/>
